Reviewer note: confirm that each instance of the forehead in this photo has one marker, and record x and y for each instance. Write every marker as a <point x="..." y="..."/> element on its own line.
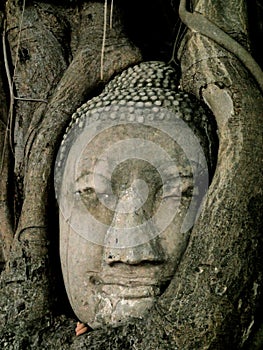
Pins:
<point x="143" y="145"/>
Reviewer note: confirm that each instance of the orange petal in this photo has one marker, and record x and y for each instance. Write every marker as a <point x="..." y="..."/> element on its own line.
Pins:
<point x="81" y="331"/>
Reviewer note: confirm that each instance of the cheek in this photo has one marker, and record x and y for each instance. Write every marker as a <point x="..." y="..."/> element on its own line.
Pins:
<point x="174" y="241"/>
<point x="80" y="259"/>
<point x="77" y="251"/>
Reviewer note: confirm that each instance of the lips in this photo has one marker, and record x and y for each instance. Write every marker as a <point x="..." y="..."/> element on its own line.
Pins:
<point x="129" y="288"/>
<point x="139" y="292"/>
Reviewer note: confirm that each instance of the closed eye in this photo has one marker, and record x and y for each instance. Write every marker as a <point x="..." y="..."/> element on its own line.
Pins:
<point x="171" y="194"/>
<point x="85" y="191"/>
<point x="176" y="187"/>
<point x="89" y="184"/>
<point x="88" y="190"/>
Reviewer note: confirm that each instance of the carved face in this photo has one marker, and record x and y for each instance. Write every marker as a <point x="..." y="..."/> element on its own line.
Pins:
<point x="121" y="220"/>
<point x="130" y="176"/>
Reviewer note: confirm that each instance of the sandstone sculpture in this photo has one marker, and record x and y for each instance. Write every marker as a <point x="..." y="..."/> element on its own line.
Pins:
<point x="130" y="177"/>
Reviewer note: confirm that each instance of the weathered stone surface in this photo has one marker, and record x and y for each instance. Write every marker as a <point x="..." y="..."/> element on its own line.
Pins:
<point x="125" y="192"/>
<point x="224" y="251"/>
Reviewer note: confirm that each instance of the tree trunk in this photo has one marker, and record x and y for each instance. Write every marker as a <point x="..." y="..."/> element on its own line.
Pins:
<point x="214" y="297"/>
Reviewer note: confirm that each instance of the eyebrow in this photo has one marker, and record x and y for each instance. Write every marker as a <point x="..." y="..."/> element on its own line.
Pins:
<point x="90" y="173"/>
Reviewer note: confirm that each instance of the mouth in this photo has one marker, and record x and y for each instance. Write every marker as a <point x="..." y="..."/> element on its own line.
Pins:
<point x="138" y="292"/>
<point x="130" y="288"/>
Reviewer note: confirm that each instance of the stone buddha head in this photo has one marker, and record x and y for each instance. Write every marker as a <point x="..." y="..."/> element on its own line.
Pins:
<point x="130" y="177"/>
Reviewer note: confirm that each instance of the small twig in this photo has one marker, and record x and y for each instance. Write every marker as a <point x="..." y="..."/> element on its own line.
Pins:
<point x="111" y="13"/>
<point x="103" y="39"/>
<point x="29" y="99"/>
<point x="176" y="42"/>
<point x="8" y="75"/>
<point x="10" y="86"/>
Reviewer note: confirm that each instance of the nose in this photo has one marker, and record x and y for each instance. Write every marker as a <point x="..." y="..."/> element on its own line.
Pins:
<point x="147" y="252"/>
<point x="124" y="236"/>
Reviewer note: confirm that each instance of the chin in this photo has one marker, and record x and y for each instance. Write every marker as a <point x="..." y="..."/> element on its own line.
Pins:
<point x="115" y="311"/>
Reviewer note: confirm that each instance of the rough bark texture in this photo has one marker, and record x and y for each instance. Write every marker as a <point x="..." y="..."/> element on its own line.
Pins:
<point x="213" y="301"/>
